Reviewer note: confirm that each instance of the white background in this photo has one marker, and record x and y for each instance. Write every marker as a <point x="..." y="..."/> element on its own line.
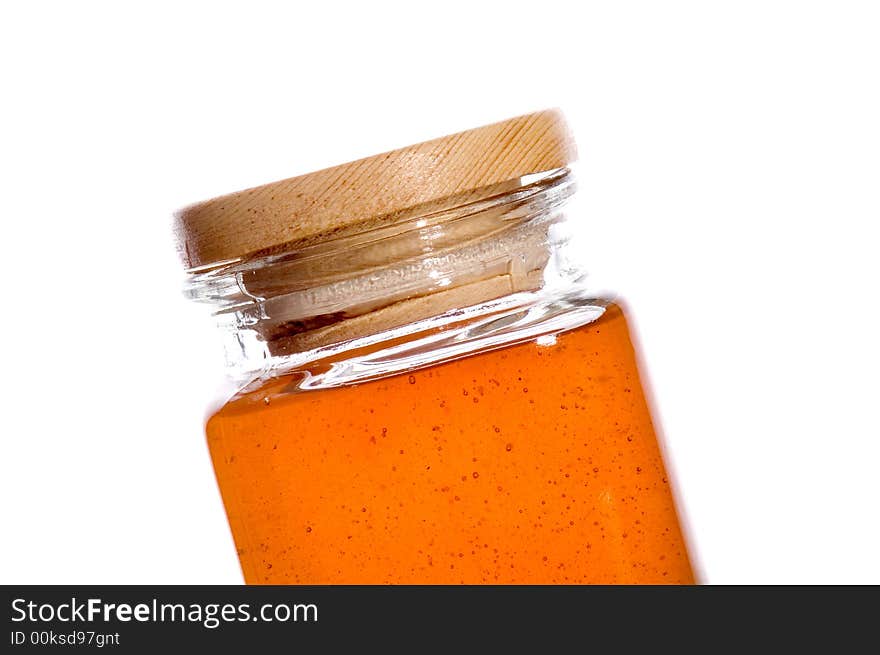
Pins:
<point x="730" y="184"/>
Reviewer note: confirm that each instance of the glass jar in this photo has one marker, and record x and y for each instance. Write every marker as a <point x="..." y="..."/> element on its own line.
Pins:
<point x="430" y="389"/>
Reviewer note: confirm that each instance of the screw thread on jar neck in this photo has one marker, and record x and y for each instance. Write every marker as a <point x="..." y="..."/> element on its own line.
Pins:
<point x="283" y="308"/>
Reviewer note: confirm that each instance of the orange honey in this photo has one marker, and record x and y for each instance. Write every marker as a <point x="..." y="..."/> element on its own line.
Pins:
<point x="528" y="464"/>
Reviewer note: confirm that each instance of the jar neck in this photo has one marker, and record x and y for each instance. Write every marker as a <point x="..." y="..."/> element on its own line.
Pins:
<point x="435" y="282"/>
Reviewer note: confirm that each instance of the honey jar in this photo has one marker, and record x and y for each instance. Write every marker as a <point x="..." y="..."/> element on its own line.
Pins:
<point x="430" y="390"/>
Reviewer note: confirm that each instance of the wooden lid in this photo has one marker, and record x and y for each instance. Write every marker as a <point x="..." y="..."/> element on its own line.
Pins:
<point x="303" y="209"/>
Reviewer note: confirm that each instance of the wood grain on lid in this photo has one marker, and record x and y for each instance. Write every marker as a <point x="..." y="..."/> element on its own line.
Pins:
<point x="302" y="209"/>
